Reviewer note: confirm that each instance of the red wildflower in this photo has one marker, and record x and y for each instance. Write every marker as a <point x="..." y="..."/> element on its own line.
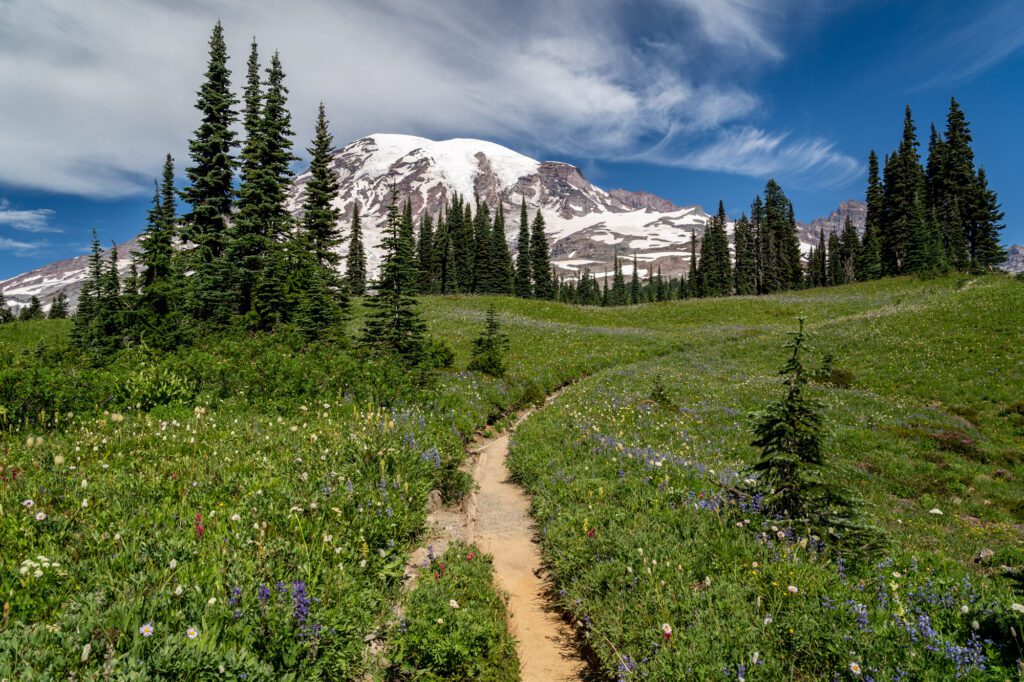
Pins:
<point x="199" y="526"/>
<point x="590" y="533"/>
<point x="469" y="557"/>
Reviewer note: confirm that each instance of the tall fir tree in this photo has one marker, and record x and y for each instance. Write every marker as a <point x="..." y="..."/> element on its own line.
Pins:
<point x="618" y="295"/>
<point x="635" y="290"/>
<point x="835" y="260"/>
<point x="83" y="332"/>
<point x="60" y="308"/>
<point x="393" y="322"/>
<point x="693" y="290"/>
<point x="425" y="255"/>
<point x="746" y="258"/>
<point x="502" y="270"/>
<point x="210" y="190"/>
<point x="320" y="217"/>
<point x="869" y="265"/>
<point x="446" y="278"/>
<point x="540" y="260"/>
<point x="483" y="281"/>
<point x="986" y="223"/>
<point x="263" y="222"/>
<point x="715" y="265"/>
<point x="355" y="259"/>
<point x="849" y="248"/>
<point x="524" y="277"/>
<point x="903" y="202"/>
<point x="407" y="242"/>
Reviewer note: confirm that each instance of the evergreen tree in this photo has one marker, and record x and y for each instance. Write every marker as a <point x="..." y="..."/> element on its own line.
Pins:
<point x="986" y="223"/>
<point x="903" y="202"/>
<point x="355" y="261"/>
<point x="540" y="261"/>
<point x="715" y="267"/>
<point x="817" y="262"/>
<point x="490" y="347"/>
<point x="407" y="242"/>
<point x="425" y="255"/>
<point x="59" y="308"/>
<point x="619" y="295"/>
<point x="483" y="272"/>
<point x="33" y="311"/>
<point x="524" y="277"/>
<point x="263" y="222"/>
<point x="319" y="215"/>
<point x="460" y="231"/>
<point x="869" y="265"/>
<point x="781" y="261"/>
<point x="210" y="191"/>
<point x="693" y="289"/>
<point x="835" y="262"/>
<point x="746" y="258"/>
<point x="446" y="281"/>
<point x="502" y="270"/>
<point x="5" y="312"/>
<point x="393" y="323"/>
<point x="849" y="248"/>
<point x="83" y="333"/>
<point x="790" y="472"/>
<point x="635" y="293"/>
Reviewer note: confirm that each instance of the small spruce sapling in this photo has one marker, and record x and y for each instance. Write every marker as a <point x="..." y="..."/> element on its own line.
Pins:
<point x="789" y="474"/>
<point x="490" y="347"/>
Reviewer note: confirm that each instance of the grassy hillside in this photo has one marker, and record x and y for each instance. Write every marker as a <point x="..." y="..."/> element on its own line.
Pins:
<point x="266" y="494"/>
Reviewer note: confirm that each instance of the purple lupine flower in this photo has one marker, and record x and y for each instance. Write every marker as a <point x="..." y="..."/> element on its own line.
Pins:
<point x="300" y="602"/>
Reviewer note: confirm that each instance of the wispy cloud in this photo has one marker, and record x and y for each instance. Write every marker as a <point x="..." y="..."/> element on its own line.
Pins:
<point x="95" y="93"/>
<point x="977" y="45"/>
<point x="20" y="248"/>
<point x="34" y="220"/>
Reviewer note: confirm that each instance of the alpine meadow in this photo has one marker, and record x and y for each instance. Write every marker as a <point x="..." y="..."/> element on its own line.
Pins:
<point x="411" y="409"/>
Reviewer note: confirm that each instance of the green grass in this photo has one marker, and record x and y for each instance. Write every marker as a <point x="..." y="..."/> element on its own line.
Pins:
<point x="932" y="419"/>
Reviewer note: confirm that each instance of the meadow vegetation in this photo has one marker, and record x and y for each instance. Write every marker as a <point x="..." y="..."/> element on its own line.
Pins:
<point x="245" y="506"/>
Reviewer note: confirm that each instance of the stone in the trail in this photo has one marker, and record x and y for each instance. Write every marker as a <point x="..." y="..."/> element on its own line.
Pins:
<point x="984" y="556"/>
<point x="434" y="500"/>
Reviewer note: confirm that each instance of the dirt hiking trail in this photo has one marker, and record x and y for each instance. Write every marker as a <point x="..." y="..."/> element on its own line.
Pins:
<point x="496" y="517"/>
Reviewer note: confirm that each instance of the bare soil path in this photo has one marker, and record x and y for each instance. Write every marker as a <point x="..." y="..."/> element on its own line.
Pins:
<point x="496" y="516"/>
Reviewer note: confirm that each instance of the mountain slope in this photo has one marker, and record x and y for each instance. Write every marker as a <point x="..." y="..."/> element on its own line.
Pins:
<point x="586" y="225"/>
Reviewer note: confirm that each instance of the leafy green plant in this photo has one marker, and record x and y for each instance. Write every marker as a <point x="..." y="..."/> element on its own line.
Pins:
<point x="454" y="627"/>
<point x="151" y="386"/>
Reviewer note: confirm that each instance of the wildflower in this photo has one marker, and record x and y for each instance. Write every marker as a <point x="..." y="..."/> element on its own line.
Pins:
<point x="965" y="609"/>
<point x="117" y="537"/>
<point x="28" y="504"/>
<point x="199" y="526"/>
<point x="469" y="557"/>
<point x="855" y="668"/>
<point x="178" y="590"/>
<point x="236" y="517"/>
<point x="85" y="483"/>
<point x="211" y="601"/>
<point x="86" y="650"/>
<point x="191" y="633"/>
<point x="768" y="620"/>
<point x="440" y="621"/>
<point x="146" y="630"/>
<point x="666" y="630"/>
<point x="58" y="460"/>
<point x="174" y="564"/>
<point x="792" y="589"/>
<point x="85" y="503"/>
<point x="40" y="516"/>
<point x="936" y="511"/>
<point x="452" y="603"/>
<point x="1019" y="608"/>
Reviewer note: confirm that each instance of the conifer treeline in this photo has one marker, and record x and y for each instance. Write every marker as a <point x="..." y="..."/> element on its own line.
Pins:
<point x="239" y="256"/>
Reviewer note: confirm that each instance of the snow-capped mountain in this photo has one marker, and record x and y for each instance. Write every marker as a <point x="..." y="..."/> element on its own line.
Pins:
<point x="586" y="225"/>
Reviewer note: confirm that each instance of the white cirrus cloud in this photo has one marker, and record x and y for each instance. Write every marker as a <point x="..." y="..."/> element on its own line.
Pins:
<point x="96" y="93"/>
<point x="32" y="220"/>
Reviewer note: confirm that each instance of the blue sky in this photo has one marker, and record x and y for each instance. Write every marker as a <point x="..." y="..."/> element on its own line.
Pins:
<point x="694" y="100"/>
